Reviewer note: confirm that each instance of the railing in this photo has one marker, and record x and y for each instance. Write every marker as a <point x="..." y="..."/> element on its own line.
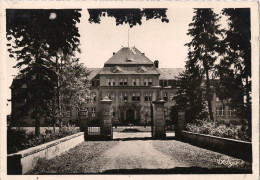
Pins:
<point x="93" y="131"/>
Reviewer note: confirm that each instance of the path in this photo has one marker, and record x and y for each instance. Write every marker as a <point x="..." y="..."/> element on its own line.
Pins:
<point x="140" y="156"/>
<point x="137" y="155"/>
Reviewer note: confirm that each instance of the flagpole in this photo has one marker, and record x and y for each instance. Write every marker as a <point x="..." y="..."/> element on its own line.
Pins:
<point x="128" y="37"/>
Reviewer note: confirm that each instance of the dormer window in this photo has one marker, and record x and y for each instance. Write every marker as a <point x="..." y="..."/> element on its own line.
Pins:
<point x="117" y="69"/>
<point x="129" y="60"/>
<point x="141" y="69"/>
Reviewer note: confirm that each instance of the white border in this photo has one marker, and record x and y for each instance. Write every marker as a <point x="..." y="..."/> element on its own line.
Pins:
<point x="253" y="5"/>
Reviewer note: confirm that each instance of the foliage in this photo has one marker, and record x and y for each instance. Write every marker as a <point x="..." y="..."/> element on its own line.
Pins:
<point x="128" y="16"/>
<point x="19" y="139"/>
<point x="74" y="84"/>
<point x="189" y="96"/>
<point x="234" y="69"/>
<point x="204" y="46"/>
<point x="220" y="129"/>
<point x="38" y="39"/>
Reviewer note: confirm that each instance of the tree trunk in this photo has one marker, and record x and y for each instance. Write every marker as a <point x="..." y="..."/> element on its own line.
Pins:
<point x="37" y="126"/>
<point x="58" y="91"/>
<point x="208" y="93"/>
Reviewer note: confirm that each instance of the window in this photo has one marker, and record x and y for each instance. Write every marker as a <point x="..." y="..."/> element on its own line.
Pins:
<point x="231" y="111"/>
<point x="125" y="82"/>
<point x="83" y="113"/>
<point x="171" y="97"/>
<point x="93" y="83"/>
<point x="150" y="82"/>
<point x="145" y="82"/>
<point x="165" y="97"/>
<point x="93" y="97"/>
<point x="136" y="97"/>
<point x="135" y="82"/>
<point x="108" y="95"/>
<point x="165" y="83"/>
<point x="161" y="82"/>
<point x="138" y="82"/>
<point x="177" y="83"/>
<point x="123" y="97"/>
<point x="113" y="110"/>
<point x="93" y="113"/>
<point x="220" y="111"/>
<point x="147" y="96"/>
<point x="122" y="82"/>
<point x="110" y="82"/>
<point x="111" y="95"/>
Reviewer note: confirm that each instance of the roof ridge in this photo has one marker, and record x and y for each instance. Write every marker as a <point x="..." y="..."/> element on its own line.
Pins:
<point x="134" y="55"/>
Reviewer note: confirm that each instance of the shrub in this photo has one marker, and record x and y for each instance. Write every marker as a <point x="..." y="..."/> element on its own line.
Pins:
<point x="19" y="139"/>
<point x="219" y="129"/>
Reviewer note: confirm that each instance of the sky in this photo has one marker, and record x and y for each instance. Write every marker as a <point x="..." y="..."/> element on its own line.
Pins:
<point x="159" y="41"/>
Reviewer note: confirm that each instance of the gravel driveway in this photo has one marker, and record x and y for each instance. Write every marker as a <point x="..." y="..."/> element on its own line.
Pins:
<point x="140" y="156"/>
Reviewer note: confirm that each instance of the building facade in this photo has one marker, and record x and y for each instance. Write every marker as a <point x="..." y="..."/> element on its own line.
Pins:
<point x="132" y="82"/>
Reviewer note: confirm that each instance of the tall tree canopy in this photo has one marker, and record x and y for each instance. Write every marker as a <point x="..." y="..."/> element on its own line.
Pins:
<point x="205" y="45"/>
<point x="234" y="69"/>
<point x="38" y="38"/>
<point x="190" y="96"/>
<point x="128" y="16"/>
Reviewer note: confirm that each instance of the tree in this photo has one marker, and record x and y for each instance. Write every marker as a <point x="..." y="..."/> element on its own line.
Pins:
<point x="74" y="84"/>
<point x="234" y="69"/>
<point x="190" y="96"/>
<point x="205" y="45"/>
<point x="128" y="16"/>
<point x="38" y="37"/>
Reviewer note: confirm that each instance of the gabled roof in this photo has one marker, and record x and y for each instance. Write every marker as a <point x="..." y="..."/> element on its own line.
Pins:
<point x="127" y="55"/>
<point x="169" y="73"/>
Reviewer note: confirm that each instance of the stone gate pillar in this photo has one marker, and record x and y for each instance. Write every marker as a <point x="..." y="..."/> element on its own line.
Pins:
<point x="180" y="124"/>
<point x="106" y="118"/>
<point x="158" y="119"/>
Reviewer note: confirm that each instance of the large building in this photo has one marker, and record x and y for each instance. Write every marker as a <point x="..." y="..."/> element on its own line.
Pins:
<point x="131" y="81"/>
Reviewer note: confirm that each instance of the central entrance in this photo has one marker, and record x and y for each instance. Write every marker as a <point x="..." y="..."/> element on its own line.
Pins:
<point x="130" y="116"/>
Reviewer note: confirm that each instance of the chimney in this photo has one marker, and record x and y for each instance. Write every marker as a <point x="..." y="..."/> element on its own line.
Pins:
<point x="114" y="53"/>
<point x="156" y="64"/>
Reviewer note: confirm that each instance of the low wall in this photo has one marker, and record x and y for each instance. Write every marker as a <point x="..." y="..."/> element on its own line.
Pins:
<point x="232" y="147"/>
<point x="42" y="129"/>
<point x="25" y="160"/>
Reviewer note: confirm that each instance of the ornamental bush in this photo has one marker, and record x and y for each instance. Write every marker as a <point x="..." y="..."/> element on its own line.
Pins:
<point x="219" y="129"/>
<point x="19" y="139"/>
